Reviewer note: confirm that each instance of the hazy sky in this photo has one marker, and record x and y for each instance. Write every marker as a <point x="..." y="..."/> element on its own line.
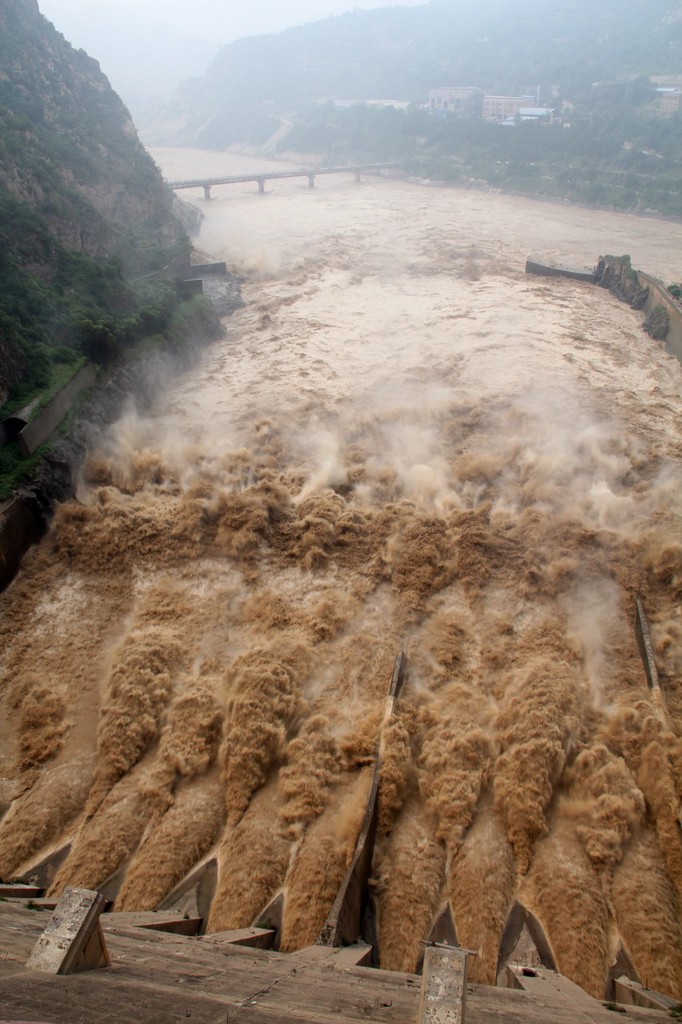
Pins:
<point x="219" y="21"/>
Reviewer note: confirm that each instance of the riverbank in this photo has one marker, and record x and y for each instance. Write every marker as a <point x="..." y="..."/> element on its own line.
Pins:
<point x="484" y="186"/>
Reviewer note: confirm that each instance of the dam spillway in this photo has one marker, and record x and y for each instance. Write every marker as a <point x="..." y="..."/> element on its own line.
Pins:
<point x="403" y="442"/>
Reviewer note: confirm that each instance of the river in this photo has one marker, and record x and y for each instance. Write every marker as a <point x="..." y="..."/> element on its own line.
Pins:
<point x="403" y="442"/>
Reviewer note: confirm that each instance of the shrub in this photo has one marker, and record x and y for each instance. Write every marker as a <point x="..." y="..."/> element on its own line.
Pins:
<point x="100" y="341"/>
<point x="10" y="457"/>
<point x="657" y="323"/>
<point x="64" y="354"/>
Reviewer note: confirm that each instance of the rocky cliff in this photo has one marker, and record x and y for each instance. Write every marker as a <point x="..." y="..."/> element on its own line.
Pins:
<point x="83" y="207"/>
<point x="68" y="148"/>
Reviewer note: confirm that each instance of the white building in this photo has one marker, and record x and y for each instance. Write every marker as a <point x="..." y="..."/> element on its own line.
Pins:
<point x="457" y="101"/>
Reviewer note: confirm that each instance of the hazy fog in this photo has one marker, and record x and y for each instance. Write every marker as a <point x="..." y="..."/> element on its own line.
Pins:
<point x="147" y="49"/>
<point x="211" y="20"/>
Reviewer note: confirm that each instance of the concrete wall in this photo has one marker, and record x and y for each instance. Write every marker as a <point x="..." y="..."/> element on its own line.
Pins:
<point x="188" y="289"/>
<point x="39" y="430"/>
<point x="556" y="270"/>
<point x="19" y="529"/>
<point x="660" y="296"/>
<point x="202" y="269"/>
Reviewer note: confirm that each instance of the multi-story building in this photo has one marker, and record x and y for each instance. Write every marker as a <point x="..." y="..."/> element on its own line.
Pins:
<point x="469" y="101"/>
<point x="669" y="100"/>
<point x="500" y="108"/>
<point x="458" y="101"/>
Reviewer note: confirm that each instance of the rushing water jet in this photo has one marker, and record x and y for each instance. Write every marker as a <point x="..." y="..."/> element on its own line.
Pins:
<point x="403" y="442"/>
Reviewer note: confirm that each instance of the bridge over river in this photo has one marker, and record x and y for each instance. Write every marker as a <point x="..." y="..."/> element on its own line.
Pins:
<point x="262" y="176"/>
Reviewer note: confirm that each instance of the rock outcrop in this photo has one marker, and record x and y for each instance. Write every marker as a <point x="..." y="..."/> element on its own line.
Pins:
<point x="69" y="148"/>
<point x="618" y="275"/>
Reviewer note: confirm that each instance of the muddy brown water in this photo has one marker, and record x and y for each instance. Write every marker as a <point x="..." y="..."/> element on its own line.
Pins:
<point x="402" y="442"/>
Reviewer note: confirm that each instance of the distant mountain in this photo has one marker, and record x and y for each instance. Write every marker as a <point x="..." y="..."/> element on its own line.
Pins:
<point x="556" y="46"/>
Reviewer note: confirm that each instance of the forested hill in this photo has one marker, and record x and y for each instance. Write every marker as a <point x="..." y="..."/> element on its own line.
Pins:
<point x="82" y="205"/>
<point x="401" y="52"/>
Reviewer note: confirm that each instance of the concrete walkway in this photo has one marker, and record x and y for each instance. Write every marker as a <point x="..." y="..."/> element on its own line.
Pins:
<point x="156" y="976"/>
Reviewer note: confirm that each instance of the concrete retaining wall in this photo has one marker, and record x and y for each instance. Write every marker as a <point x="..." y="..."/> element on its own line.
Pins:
<point x="39" y="430"/>
<point x="204" y="269"/>
<point x="556" y="270"/>
<point x="189" y="289"/>
<point x="19" y="529"/>
<point x="660" y="296"/>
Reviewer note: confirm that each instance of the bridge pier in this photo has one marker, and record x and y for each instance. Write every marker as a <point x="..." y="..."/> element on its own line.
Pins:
<point x="357" y="177"/>
<point x="311" y="181"/>
<point x="261" y="186"/>
<point x="207" y="193"/>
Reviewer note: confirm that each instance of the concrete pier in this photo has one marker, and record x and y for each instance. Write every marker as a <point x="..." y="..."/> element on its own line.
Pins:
<point x="344" y="924"/>
<point x="72" y="940"/>
<point x="645" y="646"/>
<point x="444" y="986"/>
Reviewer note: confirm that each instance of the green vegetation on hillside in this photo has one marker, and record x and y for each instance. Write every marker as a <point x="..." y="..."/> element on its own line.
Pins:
<point x="178" y="323"/>
<point x="52" y="302"/>
<point x="633" y="163"/>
